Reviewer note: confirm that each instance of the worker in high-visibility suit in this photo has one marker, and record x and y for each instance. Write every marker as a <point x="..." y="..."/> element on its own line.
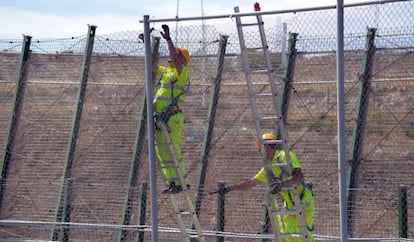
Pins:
<point x="288" y="224"/>
<point x="167" y="103"/>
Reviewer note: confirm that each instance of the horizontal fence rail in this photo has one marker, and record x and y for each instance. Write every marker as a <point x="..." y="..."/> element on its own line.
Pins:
<point x="108" y="127"/>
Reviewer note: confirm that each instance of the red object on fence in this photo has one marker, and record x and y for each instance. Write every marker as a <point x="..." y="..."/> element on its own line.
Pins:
<point x="256" y="7"/>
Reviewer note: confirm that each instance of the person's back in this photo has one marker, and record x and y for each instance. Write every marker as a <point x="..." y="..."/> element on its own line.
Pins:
<point x="171" y="92"/>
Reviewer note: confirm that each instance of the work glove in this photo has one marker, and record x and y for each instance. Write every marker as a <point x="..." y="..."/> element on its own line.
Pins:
<point x="276" y="187"/>
<point x="141" y="36"/>
<point x="223" y="190"/>
<point x="166" y="33"/>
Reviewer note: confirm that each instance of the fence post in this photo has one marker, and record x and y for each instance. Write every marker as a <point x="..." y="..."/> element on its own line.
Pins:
<point x="220" y="210"/>
<point x="402" y="212"/>
<point x="64" y="205"/>
<point x="287" y="79"/>
<point x="136" y="161"/>
<point x="203" y="164"/>
<point x="359" y="125"/>
<point x="142" y="207"/>
<point x="15" y="112"/>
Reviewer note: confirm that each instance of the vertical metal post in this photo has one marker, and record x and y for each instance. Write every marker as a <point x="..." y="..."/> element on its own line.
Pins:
<point x="283" y="51"/>
<point x="150" y="126"/>
<point x="402" y="212"/>
<point x="341" y="119"/>
<point x="265" y="224"/>
<point x="289" y="72"/>
<point x="66" y="209"/>
<point x="62" y="213"/>
<point x="203" y="164"/>
<point x="15" y="115"/>
<point x="359" y="126"/>
<point x="136" y="162"/>
<point x="142" y="207"/>
<point x="210" y="124"/>
<point x="220" y="210"/>
<point x="203" y="64"/>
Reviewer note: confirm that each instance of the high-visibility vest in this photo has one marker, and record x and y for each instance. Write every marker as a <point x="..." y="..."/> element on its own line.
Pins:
<point x="170" y="93"/>
<point x="281" y="173"/>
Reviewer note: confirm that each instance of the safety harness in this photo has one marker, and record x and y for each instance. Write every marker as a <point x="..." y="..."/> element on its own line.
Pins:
<point x="285" y="174"/>
<point x="305" y="185"/>
<point x="172" y="108"/>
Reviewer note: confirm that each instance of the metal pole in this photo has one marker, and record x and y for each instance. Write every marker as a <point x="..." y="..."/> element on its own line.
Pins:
<point x="341" y="120"/>
<point x="203" y="65"/>
<point x="176" y="23"/>
<point x="402" y="212"/>
<point x="283" y="51"/>
<point x="14" y="118"/>
<point x="263" y="13"/>
<point x="220" y="213"/>
<point x="150" y="126"/>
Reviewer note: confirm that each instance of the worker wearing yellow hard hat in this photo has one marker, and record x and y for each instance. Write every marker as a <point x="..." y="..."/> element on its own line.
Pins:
<point x="167" y="103"/>
<point x="185" y="54"/>
<point x="288" y="223"/>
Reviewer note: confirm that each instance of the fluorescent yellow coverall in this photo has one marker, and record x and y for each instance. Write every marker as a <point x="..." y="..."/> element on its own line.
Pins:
<point x="168" y="101"/>
<point x="290" y="223"/>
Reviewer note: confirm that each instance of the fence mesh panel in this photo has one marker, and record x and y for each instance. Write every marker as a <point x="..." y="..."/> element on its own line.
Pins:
<point x="103" y="157"/>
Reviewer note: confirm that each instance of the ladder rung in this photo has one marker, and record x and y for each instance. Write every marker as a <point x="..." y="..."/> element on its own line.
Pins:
<point x="285" y="212"/>
<point x="264" y="71"/>
<point x="256" y="48"/>
<point x="292" y="236"/>
<point x="270" y="142"/>
<point x="267" y="94"/>
<point x="269" y="118"/>
<point x="249" y="24"/>
<point x="279" y="165"/>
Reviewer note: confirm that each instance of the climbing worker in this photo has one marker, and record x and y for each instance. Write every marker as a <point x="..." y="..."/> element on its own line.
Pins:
<point x="288" y="223"/>
<point x="168" y="99"/>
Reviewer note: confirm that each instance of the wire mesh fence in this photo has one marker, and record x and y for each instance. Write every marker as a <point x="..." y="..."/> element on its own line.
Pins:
<point x="104" y="156"/>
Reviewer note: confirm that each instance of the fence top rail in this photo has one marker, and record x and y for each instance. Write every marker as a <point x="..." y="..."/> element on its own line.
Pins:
<point x="176" y="19"/>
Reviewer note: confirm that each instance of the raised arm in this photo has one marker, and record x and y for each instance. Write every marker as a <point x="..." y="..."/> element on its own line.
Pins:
<point x="174" y="56"/>
<point x="238" y="187"/>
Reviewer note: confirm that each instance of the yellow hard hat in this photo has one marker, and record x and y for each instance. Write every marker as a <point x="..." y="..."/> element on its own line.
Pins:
<point x="266" y="136"/>
<point x="185" y="53"/>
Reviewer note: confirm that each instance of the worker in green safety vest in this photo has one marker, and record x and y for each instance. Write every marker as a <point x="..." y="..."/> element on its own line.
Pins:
<point x="288" y="223"/>
<point x="167" y="103"/>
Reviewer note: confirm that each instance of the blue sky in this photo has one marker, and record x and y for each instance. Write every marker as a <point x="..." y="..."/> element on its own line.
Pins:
<point x="67" y="18"/>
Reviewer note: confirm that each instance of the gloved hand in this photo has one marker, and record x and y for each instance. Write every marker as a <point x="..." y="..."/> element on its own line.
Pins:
<point x="166" y="33"/>
<point x="141" y="36"/>
<point x="276" y="187"/>
<point x="224" y="190"/>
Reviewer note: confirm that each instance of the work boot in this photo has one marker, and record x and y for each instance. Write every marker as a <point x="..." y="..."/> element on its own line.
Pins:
<point x="172" y="188"/>
<point x="177" y="188"/>
<point x="169" y="188"/>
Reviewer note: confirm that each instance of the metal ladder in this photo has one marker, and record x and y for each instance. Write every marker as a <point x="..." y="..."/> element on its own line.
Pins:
<point x="189" y="202"/>
<point x="268" y="117"/>
<point x="164" y="130"/>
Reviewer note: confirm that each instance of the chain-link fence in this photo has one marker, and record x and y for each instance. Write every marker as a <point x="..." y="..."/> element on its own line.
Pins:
<point x="109" y="169"/>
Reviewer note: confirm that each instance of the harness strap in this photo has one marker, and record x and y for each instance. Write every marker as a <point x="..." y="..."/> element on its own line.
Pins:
<point x="172" y="87"/>
<point x="165" y="116"/>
